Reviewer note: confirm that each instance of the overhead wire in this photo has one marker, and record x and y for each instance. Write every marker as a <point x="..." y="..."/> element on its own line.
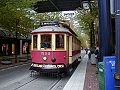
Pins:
<point x="54" y="5"/>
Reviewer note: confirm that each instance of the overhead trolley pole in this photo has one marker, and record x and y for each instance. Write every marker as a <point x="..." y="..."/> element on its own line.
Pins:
<point x="104" y="28"/>
<point x="117" y="26"/>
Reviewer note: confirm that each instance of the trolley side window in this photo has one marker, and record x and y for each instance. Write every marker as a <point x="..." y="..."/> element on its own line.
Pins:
<point x="59" y="41"/>
<point x="45" y="41"/>
<point x="35" y="41"/>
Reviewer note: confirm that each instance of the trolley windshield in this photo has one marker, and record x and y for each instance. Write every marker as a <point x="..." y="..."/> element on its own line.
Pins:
<point x="45" y="41"/>
<point x="59" y="41"/>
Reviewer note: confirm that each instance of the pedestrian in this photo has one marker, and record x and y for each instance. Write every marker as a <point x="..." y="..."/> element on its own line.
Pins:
<point x="86" y="50"/>
<point x="97" y="58"/>
<point x="93" y="58"/>
<point x="89" y="55"/>
<point x="96" y="53"/>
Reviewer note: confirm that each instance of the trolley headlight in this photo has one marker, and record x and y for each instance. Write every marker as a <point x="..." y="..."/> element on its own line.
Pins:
<point x="53" y="59"/>
<point x="44" y="58"/>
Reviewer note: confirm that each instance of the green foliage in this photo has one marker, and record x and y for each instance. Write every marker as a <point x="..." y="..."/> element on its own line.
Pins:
<point x="88" y="19"/>
<point x="18" y="16"/>
<point x="13" y="15"/>
<point x="85" y="17"/>
<point x="82" y="36"/>
<point x="51" y="16"/>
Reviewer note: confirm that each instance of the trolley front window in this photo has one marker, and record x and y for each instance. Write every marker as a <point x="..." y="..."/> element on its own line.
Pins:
<point x="46" y="41"/>
<point x="59" y="41"/>
<point x="35" y="41"/>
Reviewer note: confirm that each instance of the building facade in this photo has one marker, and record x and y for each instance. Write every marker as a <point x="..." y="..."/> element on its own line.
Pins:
<point x="9" y="45"/>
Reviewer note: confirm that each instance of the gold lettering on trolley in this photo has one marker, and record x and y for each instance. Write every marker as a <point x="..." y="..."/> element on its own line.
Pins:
<point x="42" y="53"/>
<point x="49" y="53"/>
<point x="45" y="53"/>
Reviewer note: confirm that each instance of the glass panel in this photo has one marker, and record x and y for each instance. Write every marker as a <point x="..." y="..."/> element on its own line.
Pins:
<point x="34" y="41"/>
<point x="45" y="41"/>
<point x="59" y="41"/>
<point x="25" y="47"/>
<point x="4" y="49"/>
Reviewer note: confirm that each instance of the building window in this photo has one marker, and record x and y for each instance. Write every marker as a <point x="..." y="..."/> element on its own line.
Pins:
<point x="25" y="47"/>
<point x="46" y="41"/>
<point x="35" y="41"/>
<point x="4" y="49"/>
<point x="59" y="41"/>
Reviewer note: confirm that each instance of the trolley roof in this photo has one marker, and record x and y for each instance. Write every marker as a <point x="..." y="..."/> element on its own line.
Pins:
<point x="51" y="29"/>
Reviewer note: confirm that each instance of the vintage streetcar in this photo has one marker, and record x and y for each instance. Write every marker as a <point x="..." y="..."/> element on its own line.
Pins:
<point x="54" y="49"/>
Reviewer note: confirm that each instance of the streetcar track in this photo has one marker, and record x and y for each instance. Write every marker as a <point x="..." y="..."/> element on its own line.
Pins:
<point x="26" y="83"/>
<point x="34" y="80"/>
<point x="61" y="78"/>
<point x="53" y="85"/>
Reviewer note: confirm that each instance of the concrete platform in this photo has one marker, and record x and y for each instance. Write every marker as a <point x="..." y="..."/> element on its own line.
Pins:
<point x="84" y="77"/>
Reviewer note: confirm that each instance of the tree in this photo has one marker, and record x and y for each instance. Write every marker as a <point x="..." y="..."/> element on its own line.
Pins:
<point x="13" y="17"/>
<point x="14" y="11"/>
<point x="51" y="16"/>
<point x="87" y="19"/>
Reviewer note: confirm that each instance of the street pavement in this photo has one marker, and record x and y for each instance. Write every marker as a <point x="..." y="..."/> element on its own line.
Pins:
<point x="18" y="78"/>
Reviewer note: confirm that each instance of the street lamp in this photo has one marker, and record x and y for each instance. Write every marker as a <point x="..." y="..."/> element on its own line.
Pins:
<point x="85" y="5"/>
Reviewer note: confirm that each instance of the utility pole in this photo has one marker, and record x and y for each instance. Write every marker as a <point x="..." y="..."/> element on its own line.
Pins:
<point x="117" y="26"/>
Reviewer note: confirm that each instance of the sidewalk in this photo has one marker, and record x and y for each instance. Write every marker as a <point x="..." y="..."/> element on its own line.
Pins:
<point x="91" y="78"/>
<point x="84" y="77"/>
<point x="76" y="82"/>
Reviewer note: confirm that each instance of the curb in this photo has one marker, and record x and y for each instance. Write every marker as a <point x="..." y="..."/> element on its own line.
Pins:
<point x="13" y="65"/>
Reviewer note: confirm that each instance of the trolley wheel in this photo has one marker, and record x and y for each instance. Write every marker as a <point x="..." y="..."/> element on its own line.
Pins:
<point x="33" y="73"/>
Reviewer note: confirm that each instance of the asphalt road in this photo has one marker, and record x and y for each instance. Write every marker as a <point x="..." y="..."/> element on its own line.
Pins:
<point x="18" y="78"/>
